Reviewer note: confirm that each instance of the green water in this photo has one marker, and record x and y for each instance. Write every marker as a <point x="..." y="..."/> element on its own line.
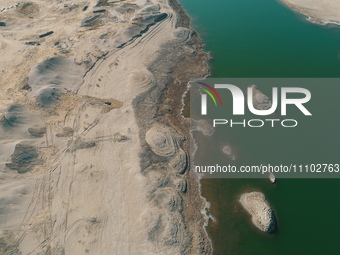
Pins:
<point x="262" y="38"/>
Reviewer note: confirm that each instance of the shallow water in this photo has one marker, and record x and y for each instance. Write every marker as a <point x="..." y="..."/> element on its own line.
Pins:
<point x="263" y="38"/>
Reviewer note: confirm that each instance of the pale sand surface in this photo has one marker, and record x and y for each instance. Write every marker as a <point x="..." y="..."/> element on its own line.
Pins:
<point x="93" y="155"/>
<point x="319" y="11"/>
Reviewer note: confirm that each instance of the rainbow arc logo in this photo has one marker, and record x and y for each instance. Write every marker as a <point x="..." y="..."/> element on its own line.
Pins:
<point x="210" y="94"/>
<point x="213" y="95"/>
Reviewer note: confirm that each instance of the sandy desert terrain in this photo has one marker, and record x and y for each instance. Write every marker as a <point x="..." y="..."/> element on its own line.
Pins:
<point x="94" y="152"/>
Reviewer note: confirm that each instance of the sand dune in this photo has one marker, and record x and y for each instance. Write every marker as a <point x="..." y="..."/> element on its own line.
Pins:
<point x="93" y="147"/>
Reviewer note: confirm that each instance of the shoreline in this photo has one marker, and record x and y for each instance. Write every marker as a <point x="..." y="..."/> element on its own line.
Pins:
<point x="174" y="117"/>
<point x="321" y="15"/>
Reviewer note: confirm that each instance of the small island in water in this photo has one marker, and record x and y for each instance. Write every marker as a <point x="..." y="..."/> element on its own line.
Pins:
<point x="256" y="204"/>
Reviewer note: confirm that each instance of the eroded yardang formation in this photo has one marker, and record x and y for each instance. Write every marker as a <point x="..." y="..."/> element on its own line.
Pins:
<point x="161" y="141"/>
<point x="261" y="214"/>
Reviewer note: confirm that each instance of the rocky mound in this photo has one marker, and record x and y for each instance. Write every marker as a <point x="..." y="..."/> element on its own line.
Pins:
<point x="260" y="100"/>
<point x="24" y="158"/>
<point x="262" y="215"/>
<point x="28" y="8"/>
<point x="160" y="141"/>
